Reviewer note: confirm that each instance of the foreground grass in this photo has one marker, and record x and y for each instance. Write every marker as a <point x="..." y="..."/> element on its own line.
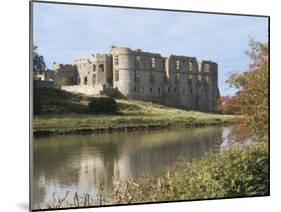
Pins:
<point x="65" y="113"/>
<point x="236" y="172"/>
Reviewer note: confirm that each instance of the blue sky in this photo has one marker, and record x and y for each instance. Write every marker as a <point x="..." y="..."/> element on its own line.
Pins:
<point x="67" y="32"/>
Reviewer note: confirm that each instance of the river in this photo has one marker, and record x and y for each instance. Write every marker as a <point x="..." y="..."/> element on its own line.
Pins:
<point x="83" y="163"/>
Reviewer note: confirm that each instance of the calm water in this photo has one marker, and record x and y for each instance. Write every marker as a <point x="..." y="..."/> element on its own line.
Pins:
<point x="83" y="163"/>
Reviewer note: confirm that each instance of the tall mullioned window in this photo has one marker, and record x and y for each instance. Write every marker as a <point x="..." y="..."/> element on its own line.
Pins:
<point x="190" y="66"/>
<point x="136" y="76"/>
<point x="151" y="77"/>
<point x="137" y="62"/>
<point x="178" y="65"/>
<point x="116" y="77"/>
<point x="165" y="77"/>
<point x="206" y="67"/>
<point x="164" y="65"/>
<point x="101" y="68"/>
<point x="153" y="62"/>
<point x="177" y="78"/>
<point x="116" y="60"/>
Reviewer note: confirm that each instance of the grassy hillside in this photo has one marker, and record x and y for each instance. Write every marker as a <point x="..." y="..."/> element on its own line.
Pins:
<point x="62" y="112"/>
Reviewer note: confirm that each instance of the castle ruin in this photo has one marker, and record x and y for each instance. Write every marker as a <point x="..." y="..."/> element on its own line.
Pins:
<point x="177" y="81"/>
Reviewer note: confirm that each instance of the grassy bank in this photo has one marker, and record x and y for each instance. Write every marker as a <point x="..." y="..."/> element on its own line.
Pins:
<point x="237" y="172"/>
<point x="65" y="113"/>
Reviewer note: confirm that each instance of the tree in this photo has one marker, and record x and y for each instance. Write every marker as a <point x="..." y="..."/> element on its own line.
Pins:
<point x="251" y="100"/>
<point x="223" y="104"/>
<point x="39" y="64"/>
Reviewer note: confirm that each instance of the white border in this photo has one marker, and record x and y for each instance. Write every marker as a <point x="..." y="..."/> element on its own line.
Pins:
<point x="15" y="105"/>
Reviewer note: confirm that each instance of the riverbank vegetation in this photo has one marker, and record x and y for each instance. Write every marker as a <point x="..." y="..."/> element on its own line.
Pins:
<point x="61" y="112"/>
<point x="235" y="172"/>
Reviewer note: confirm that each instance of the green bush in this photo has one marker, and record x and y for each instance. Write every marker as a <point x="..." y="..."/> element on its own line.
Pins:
<point x="103" y="105"/>
<point x="235" y="172"/>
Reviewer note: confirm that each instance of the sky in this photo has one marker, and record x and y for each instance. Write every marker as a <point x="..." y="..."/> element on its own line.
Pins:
<point x="64" y="33"/>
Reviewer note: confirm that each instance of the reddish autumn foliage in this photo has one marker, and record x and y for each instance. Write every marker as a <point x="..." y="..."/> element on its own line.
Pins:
<point x="224" y="105"/>
<point x="251" y="101"/>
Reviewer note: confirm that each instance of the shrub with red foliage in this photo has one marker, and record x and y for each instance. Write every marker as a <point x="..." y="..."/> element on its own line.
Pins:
<point x="223" y="105"/>
<point x="251" y="100"/>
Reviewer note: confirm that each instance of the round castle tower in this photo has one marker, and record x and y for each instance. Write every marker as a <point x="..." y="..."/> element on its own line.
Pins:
<point x="123" y="65"/>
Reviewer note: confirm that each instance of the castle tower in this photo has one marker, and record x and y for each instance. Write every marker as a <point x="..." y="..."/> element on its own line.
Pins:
<point x="122" y="65"/>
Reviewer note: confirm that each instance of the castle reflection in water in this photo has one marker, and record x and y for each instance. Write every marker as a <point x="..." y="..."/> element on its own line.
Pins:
<point x="85" y="163"/>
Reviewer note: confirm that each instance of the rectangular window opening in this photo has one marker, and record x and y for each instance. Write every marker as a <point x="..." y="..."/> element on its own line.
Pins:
<point x="101" y="68"/>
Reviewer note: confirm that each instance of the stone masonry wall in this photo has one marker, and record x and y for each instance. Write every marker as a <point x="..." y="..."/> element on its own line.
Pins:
<point x="177" y="81"/>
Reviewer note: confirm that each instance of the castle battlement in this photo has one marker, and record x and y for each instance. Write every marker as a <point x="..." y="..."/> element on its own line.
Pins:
<point x="82" y="60"/>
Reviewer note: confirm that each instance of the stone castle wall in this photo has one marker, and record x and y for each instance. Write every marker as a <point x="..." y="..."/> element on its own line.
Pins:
<point x="94" y="71"/>
<point x="62" y="75"/>
<point x="177" y="81"/>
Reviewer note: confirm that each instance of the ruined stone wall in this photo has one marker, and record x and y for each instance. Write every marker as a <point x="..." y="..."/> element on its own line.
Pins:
<point x="148" y="77"/>
<point x="102" y="66"/>
<point x="49" y="75"/>
<point x="63" y="75"/>
<point x="177" y="81"/>
<point x="180" y="81"/>
<point x="85" y="71"/>
<point x="95" y="71"/>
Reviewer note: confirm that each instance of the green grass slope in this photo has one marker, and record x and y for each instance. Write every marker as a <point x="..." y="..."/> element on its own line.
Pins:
<point x="61" y="112"/>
